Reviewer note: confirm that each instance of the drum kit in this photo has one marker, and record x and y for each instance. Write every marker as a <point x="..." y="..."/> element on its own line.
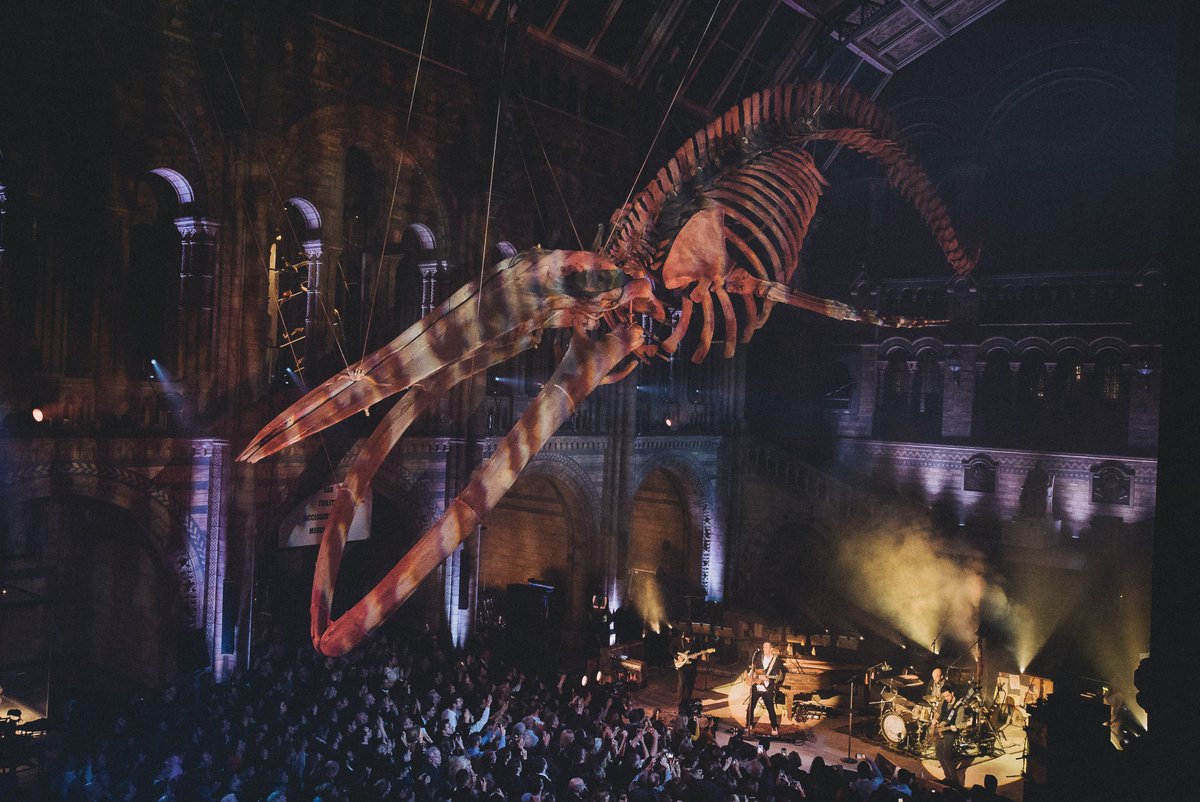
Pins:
<point x="911" y="726"/>
<point x="904" y="724"/>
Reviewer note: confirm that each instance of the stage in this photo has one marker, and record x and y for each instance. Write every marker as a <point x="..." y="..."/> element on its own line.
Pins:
<point x="830" y="737"/>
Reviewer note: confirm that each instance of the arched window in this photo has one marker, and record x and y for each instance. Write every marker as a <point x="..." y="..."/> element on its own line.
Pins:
<point x="1109" y="429"/>
<point x="504" y="250"/>
<point x="994" y="398"/>
<point x="927" y="395"/>
<point x="411" y="292"/>
<point x="151" y="298"/>
<point x="294" y="266"/>
<point x="895" y="388"/>
<point x="1033" y="391"/>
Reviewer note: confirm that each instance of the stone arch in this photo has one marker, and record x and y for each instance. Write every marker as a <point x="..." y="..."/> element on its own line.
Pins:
<point x="571" y="473"/>
<point x="179" y="541"/>
<point x="1026" y="344"/>
<point x="1101" y="344"/>
<point x="1052" y="79"/>
<point x="924" y="344"/>
<point x="425" y="236"/>
<point x="1065" y="344"/>
<point x="929" y="122"/>
<point x="310" y="217"/>
<point x="184" y="193"/>
<point x="121" y="578"/>
<point x="551" y="498"/>
<point x="996" y="343"/>
<point x="702" y="541"/>
<point x="893" y="344"/>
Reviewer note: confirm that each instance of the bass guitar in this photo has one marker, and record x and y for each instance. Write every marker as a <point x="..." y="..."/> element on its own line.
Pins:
<point x="683" y="658"/>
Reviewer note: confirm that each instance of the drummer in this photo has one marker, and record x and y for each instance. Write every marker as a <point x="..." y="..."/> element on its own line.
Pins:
<point x="933" y="699"/>
<point x="933" y="690"/>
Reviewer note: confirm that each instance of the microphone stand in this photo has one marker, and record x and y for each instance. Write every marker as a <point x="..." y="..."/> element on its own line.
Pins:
<point x="850" y="732"/>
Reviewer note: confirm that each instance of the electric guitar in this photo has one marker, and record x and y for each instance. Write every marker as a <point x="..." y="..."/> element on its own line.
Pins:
<point x="683" y="658"/>
<point x="759" y="676"/>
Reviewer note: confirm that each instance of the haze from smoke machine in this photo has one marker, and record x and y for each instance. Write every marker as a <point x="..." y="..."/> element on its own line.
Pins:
<point x="896" y="569"/>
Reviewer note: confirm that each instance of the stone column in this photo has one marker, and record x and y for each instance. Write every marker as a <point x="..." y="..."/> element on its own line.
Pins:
<point x="429" y="273"/>
<point x="314" y="340"/>
<point x="221" y="651"/>
<point x="197" y="268"/>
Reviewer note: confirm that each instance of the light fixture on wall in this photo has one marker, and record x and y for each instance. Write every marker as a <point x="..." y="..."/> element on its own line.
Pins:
<point x="954" y="365"/>
<point x="1143" y="368"/>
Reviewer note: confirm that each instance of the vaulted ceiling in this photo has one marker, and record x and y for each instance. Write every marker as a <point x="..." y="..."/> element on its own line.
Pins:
<point x="723" y="49"/>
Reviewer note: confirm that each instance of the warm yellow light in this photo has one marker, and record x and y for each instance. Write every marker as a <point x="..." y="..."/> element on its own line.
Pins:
<point x="38" y="415"/>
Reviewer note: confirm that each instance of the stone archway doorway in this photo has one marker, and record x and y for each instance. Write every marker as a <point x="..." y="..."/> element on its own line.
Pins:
<point x="663" y="557"/>
<point x="535" y="533"/>
<point x="113" y="615"/>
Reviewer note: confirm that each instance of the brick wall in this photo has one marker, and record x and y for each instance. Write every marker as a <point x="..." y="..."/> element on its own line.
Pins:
<point x="528" y="535"/>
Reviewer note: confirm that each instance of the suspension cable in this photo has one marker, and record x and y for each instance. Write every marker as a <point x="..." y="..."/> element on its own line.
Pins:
<point x="650" y="150"/>
<point x="550" y="169"/>
<point x="387" y="225"/>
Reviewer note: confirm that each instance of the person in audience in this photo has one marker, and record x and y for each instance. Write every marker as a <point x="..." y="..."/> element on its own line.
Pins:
<point x="410" y="718"/>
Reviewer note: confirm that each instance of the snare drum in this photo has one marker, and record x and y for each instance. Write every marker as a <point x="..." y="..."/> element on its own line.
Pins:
<point x="922" y="713"/>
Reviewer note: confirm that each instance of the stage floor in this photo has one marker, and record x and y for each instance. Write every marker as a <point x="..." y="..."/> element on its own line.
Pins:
<point x="830" y="738"/>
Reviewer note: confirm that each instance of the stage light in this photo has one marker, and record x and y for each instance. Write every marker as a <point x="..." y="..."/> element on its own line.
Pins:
<point x="583" y="682"/>
<point x="38" y="415"/>
<point x="598" y="675"/>
<point x="668" y="422"/>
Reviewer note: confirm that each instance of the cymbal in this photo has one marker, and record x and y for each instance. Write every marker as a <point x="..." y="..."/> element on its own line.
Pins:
<point x="907" y="676"/>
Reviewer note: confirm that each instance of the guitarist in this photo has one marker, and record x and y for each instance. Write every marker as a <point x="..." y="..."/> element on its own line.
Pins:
<point x="950" y="721"/>
<point x="765" y="673"/>
<point x="685" y="671"/>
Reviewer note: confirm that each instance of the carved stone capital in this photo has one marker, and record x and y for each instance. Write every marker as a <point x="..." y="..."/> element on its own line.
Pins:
<point x="196" y="229"/>
<point x="314" y="250"/>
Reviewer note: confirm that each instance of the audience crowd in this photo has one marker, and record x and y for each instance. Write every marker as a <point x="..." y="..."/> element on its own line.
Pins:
<point x="412" y="719"/>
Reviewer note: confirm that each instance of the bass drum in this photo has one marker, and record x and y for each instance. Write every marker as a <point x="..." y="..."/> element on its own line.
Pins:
<point x="896" y="726"/>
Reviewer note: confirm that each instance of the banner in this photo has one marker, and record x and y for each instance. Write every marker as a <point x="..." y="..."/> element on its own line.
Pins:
<point x="305" y="526"/>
